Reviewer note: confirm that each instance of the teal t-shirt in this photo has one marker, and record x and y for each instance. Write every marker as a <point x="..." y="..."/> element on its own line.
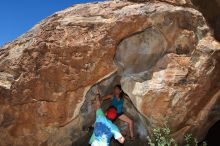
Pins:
<point x="118" y="104"/>
<point x="103" y="131"/>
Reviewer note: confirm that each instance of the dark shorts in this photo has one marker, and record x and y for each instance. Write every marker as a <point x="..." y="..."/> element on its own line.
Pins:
<point x="119" y="114"/>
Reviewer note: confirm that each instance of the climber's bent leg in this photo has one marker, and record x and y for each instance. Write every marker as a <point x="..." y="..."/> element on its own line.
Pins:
<point x="125" y="118"/>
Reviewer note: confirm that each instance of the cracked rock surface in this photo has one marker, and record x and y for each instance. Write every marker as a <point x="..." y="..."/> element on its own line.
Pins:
<point x="163" y="52"/>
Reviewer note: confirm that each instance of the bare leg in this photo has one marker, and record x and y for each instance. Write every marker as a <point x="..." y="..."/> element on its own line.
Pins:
<point x="125" y="118"/>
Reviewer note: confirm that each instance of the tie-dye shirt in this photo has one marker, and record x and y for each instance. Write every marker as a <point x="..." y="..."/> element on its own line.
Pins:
<point x="103" y="131"/>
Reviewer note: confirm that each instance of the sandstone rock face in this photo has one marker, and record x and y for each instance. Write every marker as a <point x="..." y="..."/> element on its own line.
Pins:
<point x="174" y="2"/>
<point x="163" y="55"/>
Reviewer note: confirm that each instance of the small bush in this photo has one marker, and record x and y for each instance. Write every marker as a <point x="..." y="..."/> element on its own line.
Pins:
<point x="162" y="137"/>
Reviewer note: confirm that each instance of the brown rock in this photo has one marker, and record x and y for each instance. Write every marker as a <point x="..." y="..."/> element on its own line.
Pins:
<point x="174" y="2"/>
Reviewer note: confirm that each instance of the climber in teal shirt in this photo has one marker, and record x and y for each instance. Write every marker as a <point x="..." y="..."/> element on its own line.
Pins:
<point x="117" y="100"/>
<point x="118" y="103"/>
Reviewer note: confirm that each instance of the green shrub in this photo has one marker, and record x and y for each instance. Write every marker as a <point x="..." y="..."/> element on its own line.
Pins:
<point x="162" y="137"/>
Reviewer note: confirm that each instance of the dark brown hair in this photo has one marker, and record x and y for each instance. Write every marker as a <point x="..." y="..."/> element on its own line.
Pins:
<point x="122" y="94"/>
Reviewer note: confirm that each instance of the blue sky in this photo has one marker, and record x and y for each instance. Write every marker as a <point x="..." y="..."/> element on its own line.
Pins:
<point x="18" y="16"/>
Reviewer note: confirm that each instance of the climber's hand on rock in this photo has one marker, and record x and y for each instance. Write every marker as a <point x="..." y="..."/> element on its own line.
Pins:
<point x="98" y="91"/>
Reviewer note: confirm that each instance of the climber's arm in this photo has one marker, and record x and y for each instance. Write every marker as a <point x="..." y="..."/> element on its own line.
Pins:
<point x="121" y="139"/>
<point x="109" y="96"/>
<point x="127" y="97"/>
<point x="98" y="102"/>
<point x="103" y="97"/>
<point x="117" y="134"/>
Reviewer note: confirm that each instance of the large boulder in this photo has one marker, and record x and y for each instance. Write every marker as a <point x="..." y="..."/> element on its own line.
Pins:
<point x="173" y="2"/>
<point x="163" y="55"/>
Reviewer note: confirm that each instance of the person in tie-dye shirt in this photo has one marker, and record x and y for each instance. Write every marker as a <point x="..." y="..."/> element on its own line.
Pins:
<point x="104" y="129"/>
